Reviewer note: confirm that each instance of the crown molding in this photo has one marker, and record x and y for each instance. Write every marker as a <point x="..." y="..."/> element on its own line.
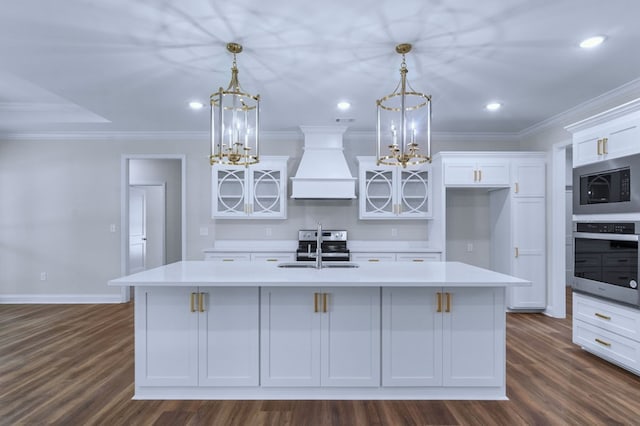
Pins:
<point x="569" y="116"/>
<point x="284" y="136"/>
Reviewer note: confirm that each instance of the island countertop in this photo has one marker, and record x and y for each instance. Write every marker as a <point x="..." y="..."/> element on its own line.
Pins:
<point x="391" y="274"/>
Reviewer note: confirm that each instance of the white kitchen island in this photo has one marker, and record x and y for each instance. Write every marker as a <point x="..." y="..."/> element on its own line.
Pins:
<point x="214" y="330"/>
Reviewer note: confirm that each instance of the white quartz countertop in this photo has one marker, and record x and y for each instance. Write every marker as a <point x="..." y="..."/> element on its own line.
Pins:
<point x="266" y="274"/>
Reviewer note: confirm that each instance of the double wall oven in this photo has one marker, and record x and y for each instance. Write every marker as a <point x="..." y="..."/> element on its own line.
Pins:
<point x="606" y="248"/>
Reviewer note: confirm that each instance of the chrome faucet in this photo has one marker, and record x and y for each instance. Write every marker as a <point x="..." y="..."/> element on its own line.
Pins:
<point x="319" y="247"/>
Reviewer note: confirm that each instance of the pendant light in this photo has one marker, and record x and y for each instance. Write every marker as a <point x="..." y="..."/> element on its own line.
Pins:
<point x="403" y="125"/>
<point x="235" y="120"/>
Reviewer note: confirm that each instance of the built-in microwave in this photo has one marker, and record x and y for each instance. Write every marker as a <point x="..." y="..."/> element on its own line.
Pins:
<point x="610" y="186"/>
<point x="606" y="260"/>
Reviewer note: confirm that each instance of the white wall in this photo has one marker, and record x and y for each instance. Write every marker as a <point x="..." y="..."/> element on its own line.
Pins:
<point x="59" y="197"/>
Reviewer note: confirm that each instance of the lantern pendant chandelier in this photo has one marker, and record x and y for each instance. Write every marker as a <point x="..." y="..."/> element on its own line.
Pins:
<point x="234" y="121"/>
<point x="403" y="122"/>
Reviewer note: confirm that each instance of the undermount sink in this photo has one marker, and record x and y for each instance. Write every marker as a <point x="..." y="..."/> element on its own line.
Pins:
<point x="313" y="265"/>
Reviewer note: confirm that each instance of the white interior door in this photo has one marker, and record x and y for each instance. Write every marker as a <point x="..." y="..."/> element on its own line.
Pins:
<point x="137" y="229"/>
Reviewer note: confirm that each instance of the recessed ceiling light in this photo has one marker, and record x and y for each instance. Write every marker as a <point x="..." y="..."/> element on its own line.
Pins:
<point x="344" y="105"/>
<point x="195" y="105"/>
<point x="493" y="106"/>
<point x="590" y="42"/>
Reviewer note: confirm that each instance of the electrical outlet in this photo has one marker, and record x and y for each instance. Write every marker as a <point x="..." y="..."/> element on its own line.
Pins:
<point x="394" y="232"/>
<point x="469" y="247"/>
<point x="43" y="276"/>
<point x="268" y="231"/>
<point x="204" y="231"/>
<point x="112" y="227"/>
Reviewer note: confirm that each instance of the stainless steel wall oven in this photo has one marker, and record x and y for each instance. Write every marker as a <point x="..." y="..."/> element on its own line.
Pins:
<point x="606" y="260"/>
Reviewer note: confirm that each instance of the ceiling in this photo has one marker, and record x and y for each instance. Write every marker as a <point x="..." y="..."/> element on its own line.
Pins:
<point x="133" y="65"/>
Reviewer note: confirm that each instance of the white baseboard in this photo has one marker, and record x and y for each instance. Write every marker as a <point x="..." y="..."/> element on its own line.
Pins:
<point x="60" y="298"/>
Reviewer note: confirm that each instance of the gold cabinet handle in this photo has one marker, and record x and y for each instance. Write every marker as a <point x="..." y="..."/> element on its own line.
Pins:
<point x="193" y="298"/>
<point x="227" y="260"/>
<point x="604" y="317"/>
<point x="517" y="188"/>
<point x="315" y="302"/>
<point x="201" y="302"/>
<point x="448" y="308"/>
<point x="374" y="260"/>
<point x="599" y="146"/>
<point x="603" y="343"/>
<point x="475" y="175"/>
<point x="417" y="260"/>
<point x="272" y="260"/>
<point x="324" y="302"/>
<point x="605" y="142"/>
<point x="479" y="175"/>
<point x="517" y="252"/>
<point x="439" y="301"/>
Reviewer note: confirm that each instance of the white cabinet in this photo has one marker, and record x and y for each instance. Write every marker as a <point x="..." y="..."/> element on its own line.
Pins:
<point x="392" y="192"/>
<point x="228" y="256"/>
<point x="611" y="134"/>
<point x="429" y="334"/>
<point x="273" y="257"/>
<point x="395" y="257"/>
<point x="248" y="256"/>
<point x="258" y="191"/>
<point x="196" y="336"/>
<point x="528" y="232"/>
<point x="607" y="329"/>
<point x="475" y="170"/>
<point x="528" y="256"/>
<point x="320" y="337"/>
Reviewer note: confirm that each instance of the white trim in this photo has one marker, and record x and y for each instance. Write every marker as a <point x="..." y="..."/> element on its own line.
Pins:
<point x="556" y="285"/>
<point x="124" y="208"/>
<point x="599" y="102"/>
<point x="60" y="298"/>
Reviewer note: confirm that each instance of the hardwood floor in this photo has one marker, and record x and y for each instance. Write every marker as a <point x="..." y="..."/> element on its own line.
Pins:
<point x="73" y="365"/>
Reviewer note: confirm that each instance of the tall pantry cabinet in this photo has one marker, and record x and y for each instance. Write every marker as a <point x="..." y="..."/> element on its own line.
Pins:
<point x="517" y="214"/>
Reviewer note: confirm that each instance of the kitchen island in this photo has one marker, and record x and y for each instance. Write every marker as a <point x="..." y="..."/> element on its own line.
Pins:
<point x="214" y="330"/>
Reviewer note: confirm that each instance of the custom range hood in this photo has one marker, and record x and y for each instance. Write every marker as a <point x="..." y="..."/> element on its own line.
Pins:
<point x="323" y="172"/>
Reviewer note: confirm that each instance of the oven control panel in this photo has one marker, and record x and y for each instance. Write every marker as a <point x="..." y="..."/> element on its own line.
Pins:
<point x="607" y="227"/>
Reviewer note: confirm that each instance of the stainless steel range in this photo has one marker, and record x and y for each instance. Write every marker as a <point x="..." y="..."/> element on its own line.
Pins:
<point x="333" y="245"/>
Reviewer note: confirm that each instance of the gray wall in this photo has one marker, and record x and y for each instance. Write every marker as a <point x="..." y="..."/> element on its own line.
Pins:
<point x="59" y="197"/>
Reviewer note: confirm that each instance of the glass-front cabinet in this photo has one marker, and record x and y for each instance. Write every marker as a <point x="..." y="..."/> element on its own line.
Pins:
<point x="258" y="191"/>
<point x="393" y="192"/>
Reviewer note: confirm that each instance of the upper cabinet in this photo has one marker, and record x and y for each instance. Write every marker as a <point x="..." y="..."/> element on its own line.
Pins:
<point x="471" y="170"/>
<point x="392" y="192"/>
<point x="611" y="134"/>
<point x="258" y="191"/>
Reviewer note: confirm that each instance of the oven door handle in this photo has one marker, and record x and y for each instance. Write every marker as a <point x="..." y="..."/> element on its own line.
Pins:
<point x="614" y="237"/>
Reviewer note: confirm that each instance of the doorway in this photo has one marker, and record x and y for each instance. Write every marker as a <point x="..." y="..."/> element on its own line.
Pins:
<point x="153" y="196"/>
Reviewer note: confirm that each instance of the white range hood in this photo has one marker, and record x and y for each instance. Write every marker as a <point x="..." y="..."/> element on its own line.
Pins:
<point x="323" y="172"/>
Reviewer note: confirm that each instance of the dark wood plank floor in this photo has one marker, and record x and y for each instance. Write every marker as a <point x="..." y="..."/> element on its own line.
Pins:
<point x="73" y="365"/>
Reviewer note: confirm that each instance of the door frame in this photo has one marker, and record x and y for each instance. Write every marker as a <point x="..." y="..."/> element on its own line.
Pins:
<point x="125" y="292"/>
<point x="556" y="256"/>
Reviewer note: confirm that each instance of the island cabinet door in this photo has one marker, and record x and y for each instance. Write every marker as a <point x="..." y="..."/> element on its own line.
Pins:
<point x="473" y="337"/>
<point x="350" y="336"/>
<point x="411" y="336"/>
<point x="228" y="336"/>
<point x="166" y="337"/>
<point x="290" y="336"/>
